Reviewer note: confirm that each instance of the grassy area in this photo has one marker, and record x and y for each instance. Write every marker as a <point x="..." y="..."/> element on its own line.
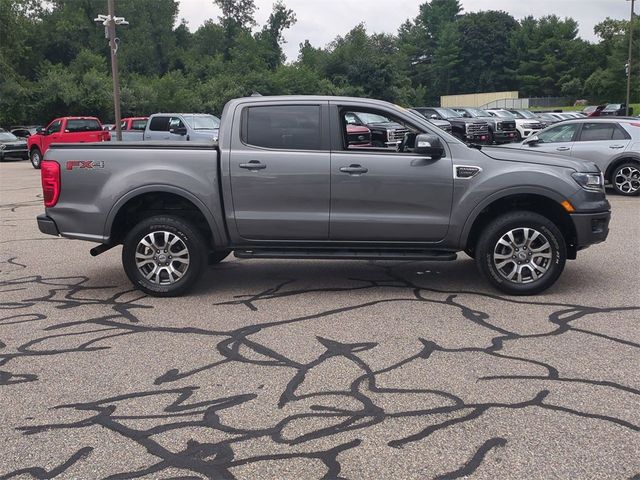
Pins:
<point x="635" y="106"/>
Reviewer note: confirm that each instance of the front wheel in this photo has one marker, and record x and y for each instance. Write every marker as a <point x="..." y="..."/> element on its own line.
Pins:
<point x="163" y="255"/>
<point x="36" y="158"/>
<point x="626" y="179"/>
<point x="521" y="253"/>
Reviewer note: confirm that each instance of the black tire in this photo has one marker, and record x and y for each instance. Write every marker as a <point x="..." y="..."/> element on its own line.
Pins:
<point x="217" y="257"/>
<point x="36" y="158"/>
<point x="518" y="136"/>
<point x="629" y="173"/>
<point x="187" y="235"/>
<point x="487" y="246"/>
<point x="491" y="140"/>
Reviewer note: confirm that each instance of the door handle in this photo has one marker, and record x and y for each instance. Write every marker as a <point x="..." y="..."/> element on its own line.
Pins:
<point x="563" y="149"/>
<point x="253" y="165"/>
<point x="354" y="169"/>
<point x="616" y="146"/>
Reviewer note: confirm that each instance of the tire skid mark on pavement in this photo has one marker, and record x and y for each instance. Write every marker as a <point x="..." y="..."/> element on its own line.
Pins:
<point x="218" y="459"/>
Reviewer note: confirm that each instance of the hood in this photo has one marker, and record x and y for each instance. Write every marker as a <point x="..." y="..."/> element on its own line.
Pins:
<point x="440" y="123"/>
<point x="466" y="120"/>
<point x="357" y="129"/>
<point x="389" y="125"/>
<point x="18" y="142"/>
<point x="509" y="153"/>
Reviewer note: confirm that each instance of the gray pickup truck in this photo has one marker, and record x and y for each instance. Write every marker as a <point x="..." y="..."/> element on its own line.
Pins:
<point x="284" y="182"/>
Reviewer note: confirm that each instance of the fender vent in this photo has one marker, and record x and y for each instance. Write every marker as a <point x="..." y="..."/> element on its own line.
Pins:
<point x="466" y="171"/>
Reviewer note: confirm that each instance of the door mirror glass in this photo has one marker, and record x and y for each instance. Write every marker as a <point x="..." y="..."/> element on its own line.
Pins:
<point x="179" y="130"/>
<point x="430" y="145"/>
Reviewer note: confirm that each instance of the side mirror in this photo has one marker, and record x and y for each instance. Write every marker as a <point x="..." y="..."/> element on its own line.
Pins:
<point x="429" y="145"/>
<point x="39" y="130"/>
<point x="532" y="140"/>
<point x="434" y="116"/>
<point x="179" y="130"/>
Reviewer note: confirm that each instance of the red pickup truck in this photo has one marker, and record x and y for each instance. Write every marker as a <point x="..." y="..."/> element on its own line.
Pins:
<point x="65" y="130"/>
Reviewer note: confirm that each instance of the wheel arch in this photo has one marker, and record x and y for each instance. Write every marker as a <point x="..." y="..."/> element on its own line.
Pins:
<point x="541" y="201"/>
<point x="153" y="199"/>
<point x="624" y="158"/>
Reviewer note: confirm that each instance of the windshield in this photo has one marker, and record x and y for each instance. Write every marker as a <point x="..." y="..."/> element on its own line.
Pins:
<point x="612" y="107"/>
<point x="372" y="118"/>
<point x="202" y="122"/>
<point x="447" y="113"/>
<point x="7" y="137"/>
<point x="525" y="113"/>
<point x="478" y="112"/>
<point x="503" y="114"/>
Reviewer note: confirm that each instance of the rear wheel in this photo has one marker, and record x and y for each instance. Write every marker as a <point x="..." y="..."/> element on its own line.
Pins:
<point x="521" y="253"/>
<point x="36" y="158"/>
<point x="163" y="255"/>
<point x="626" y="179"/>
<point x="518" y="136"/>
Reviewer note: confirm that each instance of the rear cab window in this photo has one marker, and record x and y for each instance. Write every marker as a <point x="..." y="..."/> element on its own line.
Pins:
<point x="283" y="127"/>
<point x="82" y="125"/>
<point x="139" y="124"/>
<point x="159" y="124"/>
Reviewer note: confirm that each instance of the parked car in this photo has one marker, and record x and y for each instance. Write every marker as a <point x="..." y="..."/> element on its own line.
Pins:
<point x="25" y="131"/>
<point x="528" y="115"/>
<point x="384" y="133"/>
<point x="133" y="128"/>
<point x="108" y="127"/>
<point x="589" y="109"/>
<point x="611" y="143"/>
<point x="615" y="109"/>
<point x="358" y="135"/>
<point x="12" y="146"/>
<point x="469" y="130"/>
<point x="547" y="118"/>
<point x="65" y="130"/>
<point x="177" y="127"/>
<point x="524" y="126"/>
<point x="282" y="183"/>
<point x="443" y="124"/>
<point x="500" y="130"/>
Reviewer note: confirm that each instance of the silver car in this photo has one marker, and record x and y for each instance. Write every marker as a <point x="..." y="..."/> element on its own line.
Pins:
<point x="611" y="143"/>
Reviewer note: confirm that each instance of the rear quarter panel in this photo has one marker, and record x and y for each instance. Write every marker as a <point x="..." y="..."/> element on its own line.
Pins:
<point x="91" y="196"/>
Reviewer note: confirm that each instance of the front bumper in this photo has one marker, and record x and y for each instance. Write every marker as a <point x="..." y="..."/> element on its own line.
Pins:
<point x="476" y="137"/>
<point x="591" y="228"/>
<point x="47" y="225"/>
<point x="504" y="137"/>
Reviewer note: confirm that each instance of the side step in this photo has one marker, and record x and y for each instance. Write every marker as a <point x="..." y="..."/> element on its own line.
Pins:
<point x="337" y="254"/>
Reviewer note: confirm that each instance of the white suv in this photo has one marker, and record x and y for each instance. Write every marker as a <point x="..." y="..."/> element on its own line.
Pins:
<point x="525" y="127"/>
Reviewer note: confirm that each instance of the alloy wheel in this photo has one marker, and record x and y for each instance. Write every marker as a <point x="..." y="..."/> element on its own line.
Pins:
<point x="627" y="180"/>
<point x="522" y="255"/>
<point x="162" y="257"/>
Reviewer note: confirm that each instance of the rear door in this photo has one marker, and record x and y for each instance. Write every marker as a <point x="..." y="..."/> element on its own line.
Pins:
<point x="279" y="166"/>
<point x="599" y="141"/>
<point x="558" y="139"/>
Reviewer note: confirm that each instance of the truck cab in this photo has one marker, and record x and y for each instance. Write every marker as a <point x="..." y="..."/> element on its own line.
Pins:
<point x="65" y="130"/>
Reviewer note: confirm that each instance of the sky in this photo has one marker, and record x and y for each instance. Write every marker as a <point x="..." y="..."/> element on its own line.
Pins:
<point x="320" y="21"/>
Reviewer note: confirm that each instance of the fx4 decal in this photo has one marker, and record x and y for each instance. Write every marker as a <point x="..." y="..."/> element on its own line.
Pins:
<point x="71" y="164"/>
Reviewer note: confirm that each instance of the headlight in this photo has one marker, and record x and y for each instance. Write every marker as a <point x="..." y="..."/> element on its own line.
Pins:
<point x="590" y="181"/>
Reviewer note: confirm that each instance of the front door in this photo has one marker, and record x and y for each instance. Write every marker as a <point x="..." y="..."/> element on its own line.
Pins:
<point x="280" y="173"/>
<point x="389" y="195"/>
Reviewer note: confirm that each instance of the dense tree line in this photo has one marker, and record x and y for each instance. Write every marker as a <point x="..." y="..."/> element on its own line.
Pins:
<point x="54" y="58"/>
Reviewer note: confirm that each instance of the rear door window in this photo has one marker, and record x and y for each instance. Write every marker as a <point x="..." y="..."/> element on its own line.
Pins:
<point x="592" y="132"/>
<point x="291" y="127"/>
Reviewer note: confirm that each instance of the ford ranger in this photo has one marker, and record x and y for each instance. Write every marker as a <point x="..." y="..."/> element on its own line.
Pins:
<point x="283" y="182"/>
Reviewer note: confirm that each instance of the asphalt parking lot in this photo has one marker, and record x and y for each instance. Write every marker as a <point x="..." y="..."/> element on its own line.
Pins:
<point x="313" y="369"/>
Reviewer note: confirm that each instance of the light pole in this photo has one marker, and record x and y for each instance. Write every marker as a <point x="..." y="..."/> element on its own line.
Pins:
<point x="110" y="21"/>
<point x="629" y="59"/>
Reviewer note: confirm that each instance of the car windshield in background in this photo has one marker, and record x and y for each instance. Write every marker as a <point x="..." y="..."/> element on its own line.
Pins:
<point x="612" y="107"/>
<point x="447" y="113"/>
<point x="477" y="112"/>
<point x="202" y="122"/>
<point x="503" y="114"/>
<point x="525" y="113"/>
<point x="7" y="137"/>
<point x="83" y="125"/>
<point x="372" y="118"/>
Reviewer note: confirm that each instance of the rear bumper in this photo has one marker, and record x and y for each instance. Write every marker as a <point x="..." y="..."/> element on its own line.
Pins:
<point x="591" y="228"/>
<point x="47" y="225"/>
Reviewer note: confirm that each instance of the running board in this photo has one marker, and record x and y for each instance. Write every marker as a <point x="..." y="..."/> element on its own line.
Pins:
<point x="330" y="254"/>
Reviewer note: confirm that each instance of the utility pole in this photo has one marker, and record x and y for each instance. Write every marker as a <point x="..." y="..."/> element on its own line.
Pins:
<point x="629" y="70"/>
<point x="110" y="21"/>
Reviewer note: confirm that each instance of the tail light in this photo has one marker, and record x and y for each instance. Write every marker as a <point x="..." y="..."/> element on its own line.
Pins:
<point x="50" y="175"/>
